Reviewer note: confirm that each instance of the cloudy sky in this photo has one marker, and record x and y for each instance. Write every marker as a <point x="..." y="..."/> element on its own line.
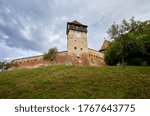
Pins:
<point x="31" y="27"/>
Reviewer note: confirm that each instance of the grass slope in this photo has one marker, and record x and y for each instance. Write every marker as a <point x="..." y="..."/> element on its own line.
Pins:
<point x="76" y="82"/>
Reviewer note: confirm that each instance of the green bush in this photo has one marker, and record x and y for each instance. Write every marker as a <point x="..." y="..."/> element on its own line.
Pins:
<point x="51" y="55"/>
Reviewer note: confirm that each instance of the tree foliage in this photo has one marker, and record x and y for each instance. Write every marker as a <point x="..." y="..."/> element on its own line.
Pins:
<point x="133" y="40"/>
<point x="4" y="65"/>
<point x="51" y="54"/>
<point x="112" y="54"/>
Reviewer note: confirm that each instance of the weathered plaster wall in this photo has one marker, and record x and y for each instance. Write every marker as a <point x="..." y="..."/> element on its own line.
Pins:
<point x="79" y="42"/>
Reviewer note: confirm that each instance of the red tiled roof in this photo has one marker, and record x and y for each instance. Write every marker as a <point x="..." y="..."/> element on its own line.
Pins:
<point x="77" y="23"/>
<point x="105" y="45"/>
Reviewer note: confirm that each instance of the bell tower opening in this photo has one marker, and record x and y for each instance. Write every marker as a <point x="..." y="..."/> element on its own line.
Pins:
<point x="76" y="38"/>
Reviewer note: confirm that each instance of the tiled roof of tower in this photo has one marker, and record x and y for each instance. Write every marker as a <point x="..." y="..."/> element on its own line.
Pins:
<point x="77" y="23"/>
<point x="105" y="45"/>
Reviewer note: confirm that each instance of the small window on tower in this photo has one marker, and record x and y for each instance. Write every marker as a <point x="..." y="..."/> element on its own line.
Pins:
<point x="78" y="57"/>
<point x="81" y="49"/>
<point x="75" y="48"/>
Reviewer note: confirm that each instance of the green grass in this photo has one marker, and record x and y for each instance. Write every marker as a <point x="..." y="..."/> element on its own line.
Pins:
<point x="76" y="82"/>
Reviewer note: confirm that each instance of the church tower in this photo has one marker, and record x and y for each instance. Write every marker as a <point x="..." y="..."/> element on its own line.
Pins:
<point x="76" y="38"/>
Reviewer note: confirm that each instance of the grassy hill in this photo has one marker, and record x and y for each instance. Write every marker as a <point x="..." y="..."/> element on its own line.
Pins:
<point x="76" y="82"/>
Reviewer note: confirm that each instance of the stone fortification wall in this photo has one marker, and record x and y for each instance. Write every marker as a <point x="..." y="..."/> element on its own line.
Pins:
<point x="96" y="58"/>
<point x="92" y="58"/>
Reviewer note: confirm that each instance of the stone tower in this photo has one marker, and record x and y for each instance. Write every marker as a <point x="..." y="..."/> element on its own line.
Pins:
<point x="76" y="38"/>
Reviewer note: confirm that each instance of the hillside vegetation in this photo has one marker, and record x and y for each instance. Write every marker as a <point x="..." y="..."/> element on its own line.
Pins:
<point x="76" y="82"/>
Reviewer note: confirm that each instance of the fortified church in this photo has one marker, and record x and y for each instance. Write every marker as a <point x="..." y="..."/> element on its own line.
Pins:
<point x="77" y="52"/>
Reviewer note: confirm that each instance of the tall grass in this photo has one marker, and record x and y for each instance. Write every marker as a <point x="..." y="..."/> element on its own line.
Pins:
<point x="76" y="82"/>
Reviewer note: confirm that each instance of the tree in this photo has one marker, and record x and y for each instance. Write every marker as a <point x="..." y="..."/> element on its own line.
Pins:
<point x="2" y="65"/>
<point x="120" y="32"/>
<point x="113" y="54"/>
<point x="5" y="65"/>
<point x="134" y="37"/>
<point x="141" y="36"/>
<point x="51" y="55"/>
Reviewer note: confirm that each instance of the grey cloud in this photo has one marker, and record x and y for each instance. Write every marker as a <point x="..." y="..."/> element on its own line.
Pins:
<point x="34" y="26"/>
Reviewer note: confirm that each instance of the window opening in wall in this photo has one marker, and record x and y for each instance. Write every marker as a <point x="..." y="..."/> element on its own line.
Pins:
<point x="75" y="48"/>
<point x="78" y="57"/>
<point x="81" y="49"/>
